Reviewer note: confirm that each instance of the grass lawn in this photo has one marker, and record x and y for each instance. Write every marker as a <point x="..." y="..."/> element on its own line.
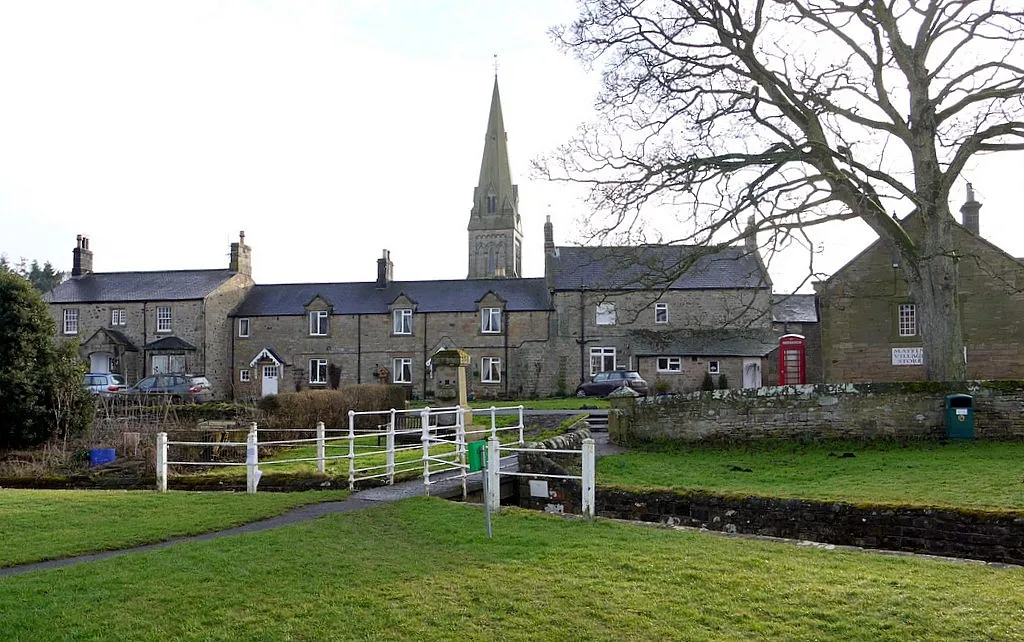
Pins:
<point x="38" y="525"/>
<point x="422" y="569"/>
<point x="980" y="474"/>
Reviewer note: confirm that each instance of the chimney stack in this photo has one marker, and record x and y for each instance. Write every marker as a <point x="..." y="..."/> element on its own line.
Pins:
<point x="241" y="257"/>
<point x="81" y="257"/>
<point x="970" y="211"/>
<point x="385" y="270"/>
<point x="750" y="240"/>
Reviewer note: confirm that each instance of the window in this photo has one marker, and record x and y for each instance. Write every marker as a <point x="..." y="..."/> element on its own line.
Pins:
<point x="163" y="363"/>
<point x="714" y="367"/>
<point x="401" y="370"/>
<point x="318" y="370"/>
<point x="163" y="318"/>
<point x="601" y="359"/>
<point x="490" y="370"/>
<point x="661" y="313"/>
<point x="318" y="323"/>
<point x="118" y="316"/>
<point x="908" y="320"/>
<point x="670" y="364"/>
<point x="490" y="320"/>
<point x="492" y="201"/>
<point x="401" y="321"/>
<point x="243" y="328"/>
<point x="605" y="314"/>
<point x="71" y="321"/>
<point x="244" y="376"/>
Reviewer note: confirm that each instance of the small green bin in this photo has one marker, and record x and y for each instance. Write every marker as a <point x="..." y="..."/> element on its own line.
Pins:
<point x="475" y="453"/>
<point x="959" y="416"/>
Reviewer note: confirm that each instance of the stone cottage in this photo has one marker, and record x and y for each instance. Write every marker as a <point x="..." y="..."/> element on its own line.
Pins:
<point x="142" y="323"/>
<point x="869" y="322"/>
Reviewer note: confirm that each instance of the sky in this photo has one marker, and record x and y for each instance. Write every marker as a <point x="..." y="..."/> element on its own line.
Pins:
<point x="327" y="131"/>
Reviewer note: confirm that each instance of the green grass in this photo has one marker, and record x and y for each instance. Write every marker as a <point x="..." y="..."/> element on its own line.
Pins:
<point x="423" y="570"/>
<point x="38" y="525"/>
<point x="986" y="475"/>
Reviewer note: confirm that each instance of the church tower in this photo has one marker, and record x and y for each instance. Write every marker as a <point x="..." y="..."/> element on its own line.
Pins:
<point x="495" y="231"/>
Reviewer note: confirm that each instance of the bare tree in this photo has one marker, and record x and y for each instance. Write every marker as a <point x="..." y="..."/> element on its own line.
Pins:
<point x="797" y="113"/>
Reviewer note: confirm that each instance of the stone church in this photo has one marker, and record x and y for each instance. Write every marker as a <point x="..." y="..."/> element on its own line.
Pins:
<point x="675" y="313"/>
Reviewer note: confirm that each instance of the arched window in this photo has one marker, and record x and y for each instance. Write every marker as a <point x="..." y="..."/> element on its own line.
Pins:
<point x="492" y="201"/>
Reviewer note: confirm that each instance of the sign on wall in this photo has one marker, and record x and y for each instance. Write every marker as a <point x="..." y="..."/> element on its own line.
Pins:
<point x="908" y="356"/>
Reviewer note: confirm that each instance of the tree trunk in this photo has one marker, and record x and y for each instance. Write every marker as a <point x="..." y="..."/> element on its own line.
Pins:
<point x="932" y="282"/>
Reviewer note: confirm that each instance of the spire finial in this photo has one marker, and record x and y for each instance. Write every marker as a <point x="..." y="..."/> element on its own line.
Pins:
<point x="495" y="65"/>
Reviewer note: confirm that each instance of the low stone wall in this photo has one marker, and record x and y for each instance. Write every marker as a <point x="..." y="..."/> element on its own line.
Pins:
<point x="989" y="536"/>
<point x="553" y="495"/>
<point x="822" y="411"/>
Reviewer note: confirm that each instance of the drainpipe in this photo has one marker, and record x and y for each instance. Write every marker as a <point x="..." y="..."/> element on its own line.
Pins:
<point x="359" y="348"/>
<point x="145" y="339"/>
<point x="505" y="329"/>
<point x="583" y="338"/>
<point x="424" y="361"/>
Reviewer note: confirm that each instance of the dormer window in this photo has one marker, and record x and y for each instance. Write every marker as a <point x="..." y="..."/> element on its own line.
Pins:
<point x="401" y="321"/>
<point x="318" y="323"/>
<point x="490" y="320"/>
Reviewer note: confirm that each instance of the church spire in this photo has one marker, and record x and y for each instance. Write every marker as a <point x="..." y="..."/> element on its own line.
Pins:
<point x="495" y="235"/>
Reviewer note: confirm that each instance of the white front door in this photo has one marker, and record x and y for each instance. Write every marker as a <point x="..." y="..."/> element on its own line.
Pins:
<point x="270" y="374"/>
<point x="100" y="362"/>
<point x="751" y="373"/>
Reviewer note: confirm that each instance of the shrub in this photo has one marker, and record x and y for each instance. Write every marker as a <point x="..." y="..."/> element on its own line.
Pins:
<point x="708" y="383"/>
<point x="723" y="382"/>
<point x="304" y="409"/>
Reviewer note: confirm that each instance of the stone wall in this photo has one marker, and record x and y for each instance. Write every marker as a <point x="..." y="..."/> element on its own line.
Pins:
<point x="847" y="411"/>
<point x="990" y="536"/>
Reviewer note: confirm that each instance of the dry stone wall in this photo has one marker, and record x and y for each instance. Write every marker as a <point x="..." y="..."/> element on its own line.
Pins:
<point x="817" y="412"/>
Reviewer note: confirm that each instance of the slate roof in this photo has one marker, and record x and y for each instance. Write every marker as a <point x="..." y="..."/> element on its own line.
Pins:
<point x="366" y="298"/>
<point x="169" y="343"/>
<point x="169" y="285"/>
<point x="712" y="343"/>
<point x="794" y="308"/>
<point x="656" y="267"/>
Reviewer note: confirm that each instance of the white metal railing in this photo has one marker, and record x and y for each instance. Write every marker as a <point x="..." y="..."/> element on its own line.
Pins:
<point x="439" y="434"/>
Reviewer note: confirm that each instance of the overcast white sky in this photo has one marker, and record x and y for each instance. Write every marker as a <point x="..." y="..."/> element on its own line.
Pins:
<point x="326" y="130"/>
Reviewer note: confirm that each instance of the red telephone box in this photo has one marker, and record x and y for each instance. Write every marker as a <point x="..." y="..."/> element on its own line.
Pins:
<point x="792" y="351"/>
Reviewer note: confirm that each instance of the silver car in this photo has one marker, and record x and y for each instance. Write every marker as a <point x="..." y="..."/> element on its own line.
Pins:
<point x="104" y="383"/>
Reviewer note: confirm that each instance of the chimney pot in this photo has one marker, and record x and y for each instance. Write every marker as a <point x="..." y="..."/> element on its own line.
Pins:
<point x="971" y="212"/>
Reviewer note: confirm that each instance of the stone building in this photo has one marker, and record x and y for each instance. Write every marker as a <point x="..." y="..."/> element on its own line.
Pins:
<point x="869" y="322"/>
<point x="142" y="323"/>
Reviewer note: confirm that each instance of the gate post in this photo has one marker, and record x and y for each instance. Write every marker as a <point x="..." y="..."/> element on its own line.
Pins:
<point x="351" y="449"/>
<point x="320" y="447"/>
<point x="460" y="447"/>
<point x="161" y="462"/>
<point x="389" y="445"/>
<point x="588" y="477"/>
<point x="493" y="498"/>
<point x="252" y="472"/>
<point x="425" y="440"/>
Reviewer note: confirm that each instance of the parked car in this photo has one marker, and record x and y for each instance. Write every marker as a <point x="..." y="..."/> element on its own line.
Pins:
<point x="177" y="388"/>
<point x="104" y="383"/>
<point x="605" y="383"/>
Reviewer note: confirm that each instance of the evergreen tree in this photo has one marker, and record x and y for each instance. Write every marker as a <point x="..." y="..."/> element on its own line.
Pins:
<point x="41" y="388"/>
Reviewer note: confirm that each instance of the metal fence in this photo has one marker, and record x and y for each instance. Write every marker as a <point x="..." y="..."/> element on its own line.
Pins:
<point x="399" y="443"/>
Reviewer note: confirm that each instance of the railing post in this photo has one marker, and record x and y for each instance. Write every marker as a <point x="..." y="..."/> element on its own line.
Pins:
<point x="351" y="449"/>
<point x="494" y="429"/>
<point x="493" y="498"/>
<point x="252" y="462"/>
<point x="588" y="477"/>
<point x="389" y="445"/>
<point x="521" y="413"/>
<point x="320" y="435"/>
<point x="161" y="462"/>
<point x="425" y="440"/>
